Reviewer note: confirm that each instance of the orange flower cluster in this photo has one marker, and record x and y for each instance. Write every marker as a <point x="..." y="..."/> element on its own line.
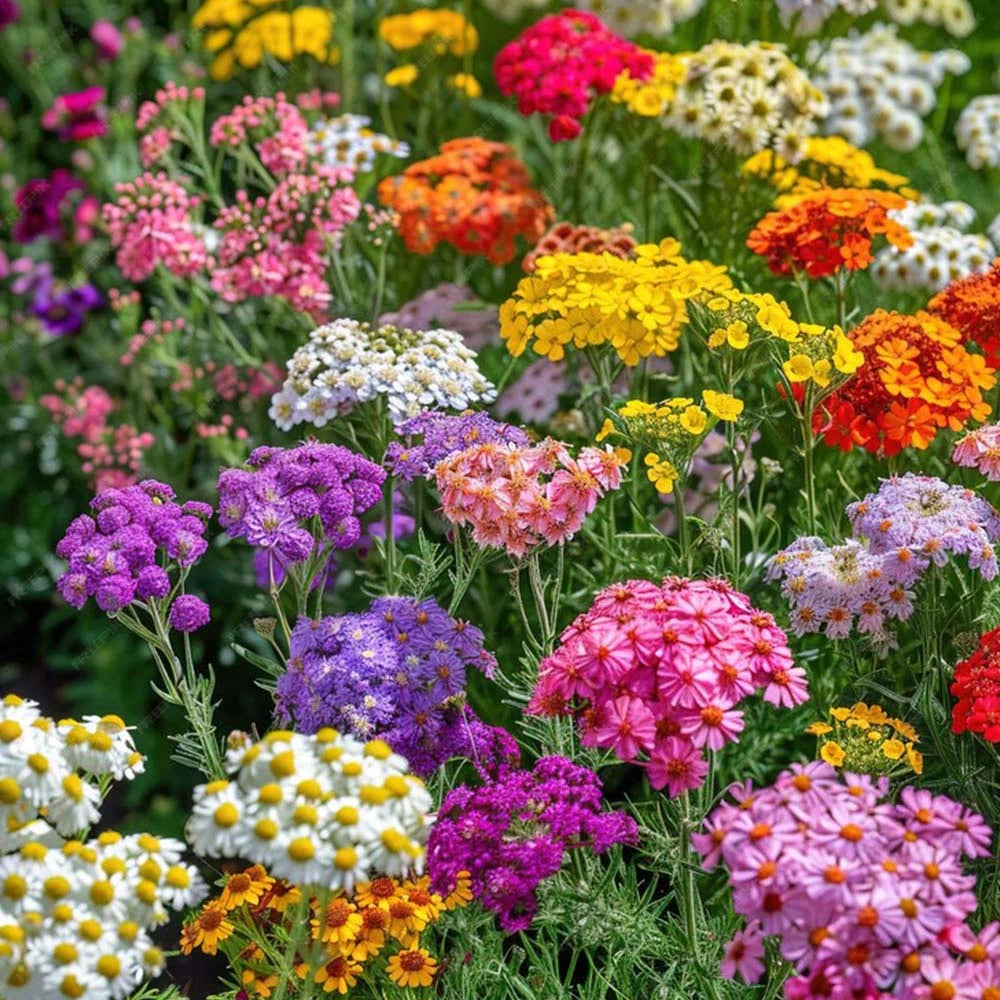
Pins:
<point x="972" y="305"/>
<point x="916" y="378"/>
<point x="474" y="194"/>
<point x="828" y="230"/>
<point x="565" y="237"/>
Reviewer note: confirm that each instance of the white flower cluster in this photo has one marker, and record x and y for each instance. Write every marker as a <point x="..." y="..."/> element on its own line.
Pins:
<point x="511" y="10"/>
<point x="642" y="17"/>
<point x="942" y="250"/>
<point x="75" y="919"/>
<point x="748" y="97"/>
<point x="977" y="131"/>
<point x="40" y="765"/>
<point x="324" y="811"/>
<point x="879" y="85"/>
<point x="349" y="141"/>
<point x="345" y="363"/>
<point x="808" y="16"/>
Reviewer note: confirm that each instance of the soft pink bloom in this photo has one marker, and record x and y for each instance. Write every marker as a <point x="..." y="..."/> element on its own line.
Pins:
<point x="713" y="726"/>
<point x="980" y="449"/>
<point x="745" y="955"/>
<point x="677" y="766"/>
<point x="628" y="727"/>
<point x="107" y="38"/>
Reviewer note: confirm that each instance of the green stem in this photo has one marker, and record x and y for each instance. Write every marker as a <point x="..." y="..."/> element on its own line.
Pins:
<point x="808" y="443"/>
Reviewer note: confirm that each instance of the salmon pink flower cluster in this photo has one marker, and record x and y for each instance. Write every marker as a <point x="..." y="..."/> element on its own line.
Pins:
<point x="515" y="497"/>
<point x="980" y="449"/>
<point x="563" y="62"/>
<point x="865" y="897"/>
<point x="977" y="687"/>
<point x="656" y="672"/>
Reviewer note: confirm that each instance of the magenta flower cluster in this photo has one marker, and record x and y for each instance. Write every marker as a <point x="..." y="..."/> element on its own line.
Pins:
<point x="513" y="832"/>
<point x="656" y="672"/>
<point x="864" y="896"/>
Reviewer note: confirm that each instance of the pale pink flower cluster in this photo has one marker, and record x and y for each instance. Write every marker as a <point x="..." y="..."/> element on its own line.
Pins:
<point x="655" y="672"/>
<point x="980" y="449"/>
<point x="151" y="331"/>
<point x="275" y="128"/>
<point x="516" y="497"/>
<point x="169" y="101"/>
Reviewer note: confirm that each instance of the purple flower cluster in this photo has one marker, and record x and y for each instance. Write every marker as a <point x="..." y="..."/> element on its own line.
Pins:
<point x="866" y="897"/>
<point x="513" y="832"/>
<point x="324" y="485"/>
<point x="117" y="555"/>
<point x="397" y="671"/>
<point x="443" y="435"/>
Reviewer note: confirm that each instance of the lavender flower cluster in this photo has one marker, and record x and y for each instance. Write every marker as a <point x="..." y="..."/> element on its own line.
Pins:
<point x="513" y="832"/>
<point x="117" y="555"/>
<point x="442" y="435"/>
<point x="397" y="671"/>
<point x="269" y="503"/>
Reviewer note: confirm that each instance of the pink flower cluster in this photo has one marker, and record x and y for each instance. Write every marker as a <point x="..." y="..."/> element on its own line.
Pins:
<point x="78" y="116"/>
<point x="516" y="497"/>
<point x="560" y="64"/>
<point x="275" y="128"/>
<point x="980" y="449"/>
<point x="151" y="331"/>
<point x="151" y="223"/>
<point x="866" y="896"/>
<point x="657" y="671"/>
<point x="111" y="455"/>
<point x="169" y="101"/>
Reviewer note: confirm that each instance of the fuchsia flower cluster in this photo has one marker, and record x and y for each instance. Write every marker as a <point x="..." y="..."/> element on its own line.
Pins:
<point x="78" y="116"/>
<point x="515" y="497"/>
<point x="561" y="63"/>
<point x="866" y="897"/>
<point x="656" y="671"/>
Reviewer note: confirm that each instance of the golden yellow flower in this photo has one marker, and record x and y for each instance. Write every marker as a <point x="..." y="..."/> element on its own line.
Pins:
<point x="694" y="420"/>
<point x="893" y="749"/>
<point x="832" y="753"/>
<point x="722" y="405"/>
<point x="798" y="368"/>
<point x="467" y="84"/>
<point x="402" y="76"/>
<point x="660" y="473"/>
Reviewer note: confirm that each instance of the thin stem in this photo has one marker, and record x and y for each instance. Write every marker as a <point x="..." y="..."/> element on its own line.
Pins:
<point x="808" y="442"/>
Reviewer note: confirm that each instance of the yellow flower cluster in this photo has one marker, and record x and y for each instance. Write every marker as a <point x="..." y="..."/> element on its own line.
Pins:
<point x="829" y="161"/>
<point x="866" y="739"/>
<point x="805" y="351"/>
<point x="651" y="98"/>
<point x="243" y="32"/>
<point x="447" y="31"/>
<point x="406" y="74"/>
<point x="637" y="306"/>
<point x="670" y="431"/>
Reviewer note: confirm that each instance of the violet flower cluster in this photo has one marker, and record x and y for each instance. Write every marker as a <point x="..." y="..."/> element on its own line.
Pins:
<point x="865" y="896"/>
<point x="514" y="831"/>
<point x="442" y="435"/>
<point x="397" y="671"/>
<point x="323" y="485"/>
<point x="123" y="552"/>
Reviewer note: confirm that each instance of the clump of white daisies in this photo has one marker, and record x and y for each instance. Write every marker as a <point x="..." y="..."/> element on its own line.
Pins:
<point x="76" y="915"/>
<point x="879" y="85"/>
<point x="642" y="17"/>
<point x="324" y="811"/>
<point x="349" y="141"/>
<point x="808" y="16"/>
<point x="346" y="363"/>
<point x="977" y="131"/>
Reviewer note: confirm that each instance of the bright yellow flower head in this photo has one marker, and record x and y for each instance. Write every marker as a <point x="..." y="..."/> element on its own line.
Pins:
<point x="445" y="31"/>
<point x="402" y="76"/>
<point x="798" y="368"/>
<point x="466" y="84"/>
<point x="660" y="473"/>
<point x="722" y="405"/>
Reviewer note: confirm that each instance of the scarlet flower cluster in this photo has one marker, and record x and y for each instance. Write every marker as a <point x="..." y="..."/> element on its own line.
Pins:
<point x="516" y="497"/>
<point x="972" y="305"/>
<point x="917" y="377"/>
<point x="977" y="688"/>
<point x="564" y="237"/>
<point x="560" y="64"/>
<point x="475" y="195"/>
<point x="657" y="670"/>
<point x="829" y="230"/>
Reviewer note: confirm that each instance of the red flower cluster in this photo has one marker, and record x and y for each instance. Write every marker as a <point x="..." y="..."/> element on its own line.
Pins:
<point x="972" y="305"/>
<point x="559" y="65"/>
<point x="474" y="194"/>
<point x="828" y="230"/>
<point x="565" y="237"/>
<point x="977" y="687"/>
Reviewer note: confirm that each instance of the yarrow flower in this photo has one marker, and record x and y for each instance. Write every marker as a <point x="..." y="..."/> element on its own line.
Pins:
<point x="916" y="378"/>
<point x="560" y="64"/>
<point x="474" y="194"/>
<point x="867" y="740"/>
<point x="972" y="306"/>
<point x="976" y="686"/>
<point x="516" y="497"/>
<point x="324" y="811"/>
<point x="511" y="833"/>
<point x="863" y="896"/>
<point x="635" y="17"/>
<point x="349" y="141"/>
<point x="346" y="363"/>
<point x="655" y="672"/>
<point x="396" y="671"/>
<point x="980" y="449"/>
<point x="977" y="131"/>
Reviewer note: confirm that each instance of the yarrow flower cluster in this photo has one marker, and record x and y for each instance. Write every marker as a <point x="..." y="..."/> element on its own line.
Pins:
<point x="976" y="685"/>
<point x="442" y="435"/>
<point x="655" y="672"/>
<point x="324" y="811"/>
<point x="565" y="237"/>
<point x="511" y="833"/>
<point x="442" y="30"/>
<point x="980" y="449"/>
<point x="807" y="16"/>
<point x="474" y="194"/>
<point x="972" y="306"/>
<point x="396" y="671"/>
<point x="863" y="895"/>
<point x="831" y="229"/>
<point x="349" y="141"/>
<point x="637" y="306"/>
<point x="516" y="497"/>
<point x="346" y="363"/>
<point x="867" y="740"/>
<point x="917" y="377"/>
<point x="880" y="86"/>
<point x="977" y="131"/>
<point x="560" y="64"/>
<point x="116" y="556"/>
<point x="284" y="489"/>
